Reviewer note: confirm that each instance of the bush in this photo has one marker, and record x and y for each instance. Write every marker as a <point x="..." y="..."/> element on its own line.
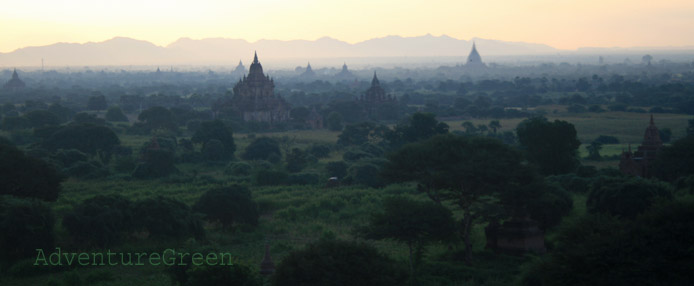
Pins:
<point x="270" y="178"/>
<point x="365" y="174"/>
<point x="100" y="221"/>
<point x="167" y="218"/>
<point x="334" y="262"/>
<point x="337" y="169"/>
<point x="303" y="179"/>
<point x="319" y="150"/>
<point x="238" y="169"/>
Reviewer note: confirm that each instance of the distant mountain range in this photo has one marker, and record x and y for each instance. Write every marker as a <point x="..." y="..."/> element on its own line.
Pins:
<point x="221" y="51"/>
<point x="127" y="51"/>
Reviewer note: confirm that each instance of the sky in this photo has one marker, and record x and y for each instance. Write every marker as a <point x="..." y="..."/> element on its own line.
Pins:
<point x="561" y="24"/>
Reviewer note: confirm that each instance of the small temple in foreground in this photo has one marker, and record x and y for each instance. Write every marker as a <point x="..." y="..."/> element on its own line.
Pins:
<point x="638" y="163"/>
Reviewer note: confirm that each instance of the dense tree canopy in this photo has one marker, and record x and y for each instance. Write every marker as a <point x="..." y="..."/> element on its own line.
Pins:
<point x="263" y="148"/>
<point x="228" y="205"/>
<point x="462" y="170"/>
<point x="551" y="145"/>
<point x="100" y="221"/>
<point x="337" y="263"/>
<point x="24" y="176"/>
<point x="25" y="225"/>
<point x="216" y="130"/>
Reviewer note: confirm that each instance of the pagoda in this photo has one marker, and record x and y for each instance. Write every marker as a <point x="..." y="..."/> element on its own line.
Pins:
<point x="14" y="82"/>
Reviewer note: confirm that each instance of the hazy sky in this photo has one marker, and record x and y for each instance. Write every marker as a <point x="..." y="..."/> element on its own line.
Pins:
<point x="559" y="23"/>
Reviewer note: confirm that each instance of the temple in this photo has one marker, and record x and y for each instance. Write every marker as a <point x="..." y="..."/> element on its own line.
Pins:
<point x="240" y="69"/>
<point x="308" y="72"/>
<point x="638" y="163"/>
<point x="474" y="60"/>
<point x="344" y="74"/>
<point x="14" y="82"/>
<point x="376" y="94"/>
<point x="254" y="97"/>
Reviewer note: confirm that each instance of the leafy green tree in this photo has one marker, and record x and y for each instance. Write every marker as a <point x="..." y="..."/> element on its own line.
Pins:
<point x="299" y="114"/>
<point x="216" y="130"/>
<point x="470" y="128"/>
<point x="100" y="221"/>
<point x="296" y="160"/>
<point x="157" y="118"/>
<point x="337" y="263"/>
<point x="420" y="126"/>
<point x="87" y="119"/>
<point x="411" y="222"/>
<point x="228" y="205"/>
<point x="64" y="114"/>
<point x="97" y="102"/>
<point x="89" y="139"/>
<point x="358" y="134"/>
<point x="167" y="218"/>
<point x="625" y="197"/>
<point x="263" y="148"/>
<point x="25" y="225"/>
<point x="365" y="173"/>
<point x="494" y="125"/>
<point x="25" y="176"/>
<point x="675" y="161"/>
<point x="594" y="151"/>
<point x="551" y="145"/>
<point x="41" y="118"/>
<point x="115" y="114"/>
<point x="465" y="171"/>
<point x="655" y="249"/>
<point x="212" y="150"/>
<point x="334" y="121"/>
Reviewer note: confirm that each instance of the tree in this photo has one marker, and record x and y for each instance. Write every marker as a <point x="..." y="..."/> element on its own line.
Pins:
<point x="551" y="145"/>
<point x="87" y="138"/>
<point x="465" y="171"/>
<point x="494" y="125"/>
<point x="97" y="102"/>
<point x="24" y="176"/>
<point x="420" y="126"/>
<point x="655" y="249"/>
<point x="334" y="121"/>
<point x="337" y="263"/>
<point x="167" y="218"/>
<point x="157" y="161"/>
<point x="100" y="221"/>
<point x="41" y="118"/>
<point x="411" y="222"/>
<point x="675" y="161"/>
<point x="296" y="160"/>
<point x="336" y="169"/>
<point x="625" y="197"/>
<point x="228" y="205"/>
<point x="470" y="128"/>
<point x="216" y="130"/>
<point x="24" y="227"/>
<point x="690" y="127"/>
<point x="157" y="118"/>
<point x="115" y="114"/>
<point x="594" y="151"/>
<point x="358" y="134"/>
<point x="299" y="114"/>
<point x="263" y="148"/>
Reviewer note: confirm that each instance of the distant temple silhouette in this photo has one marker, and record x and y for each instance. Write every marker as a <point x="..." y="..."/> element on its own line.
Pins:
<point x="14" y="82"/>
<point x="308" y="72"/>
<point x="240" y="69"/>
<point x="374" y="97"/>
<point x="254" y="97"/>
<point x="639" y="163"/>
<point x="474" y="60"/>
<point x="345" y="74"/>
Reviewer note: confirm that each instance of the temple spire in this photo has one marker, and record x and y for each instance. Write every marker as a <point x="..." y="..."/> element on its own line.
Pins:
<point x="652" y="119"/>
<point x="255" y="57"/>
<point x="14" y="73"/>
<point x="374" y="81"/>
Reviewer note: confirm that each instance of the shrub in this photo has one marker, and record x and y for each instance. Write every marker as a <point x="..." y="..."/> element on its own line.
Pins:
<point x="100" y="221"/>
<point x="228" y="205"/>
<point x="25" y="225"/>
